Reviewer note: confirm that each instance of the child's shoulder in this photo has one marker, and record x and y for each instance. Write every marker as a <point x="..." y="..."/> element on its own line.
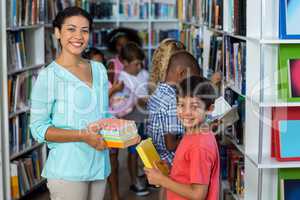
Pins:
<point x="200" y="140"/>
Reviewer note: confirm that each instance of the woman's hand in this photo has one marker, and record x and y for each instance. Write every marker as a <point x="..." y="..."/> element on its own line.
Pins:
<point x="92" y="137"/>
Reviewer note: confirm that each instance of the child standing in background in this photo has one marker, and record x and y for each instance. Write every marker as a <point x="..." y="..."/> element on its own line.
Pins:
<point x="196" y="167"/>
<point x="127" y="104"/>
<point x="160" y="61"/>
<point x="97" y="55"/>
<point x="116" y="40"/>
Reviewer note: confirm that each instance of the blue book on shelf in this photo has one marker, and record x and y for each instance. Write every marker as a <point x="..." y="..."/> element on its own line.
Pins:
<point x="289" y="137"/>
<point x="291" y="189"/>
<point x="289" y="19"/>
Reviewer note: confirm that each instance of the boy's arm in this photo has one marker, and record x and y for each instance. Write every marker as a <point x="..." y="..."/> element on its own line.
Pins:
<point x="171" y="141"/>
<point x="189" y="191"/>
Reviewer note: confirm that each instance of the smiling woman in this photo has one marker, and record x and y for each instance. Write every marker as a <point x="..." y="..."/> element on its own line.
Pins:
<point x="70" y="94"/>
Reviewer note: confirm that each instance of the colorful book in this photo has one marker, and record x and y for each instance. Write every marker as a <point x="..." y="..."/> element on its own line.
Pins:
<point x="289" y="138"/>
<point x="288" y="184"/>
<point x="289" y="19"/>
<point x="150" y="156"/>
<point x="288" y="83"/>
<point x="119" y="133"/>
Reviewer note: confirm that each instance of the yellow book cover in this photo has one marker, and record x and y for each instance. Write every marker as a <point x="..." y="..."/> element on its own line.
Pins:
<point x="149" y="155"/>
<point x="15" y="193"/>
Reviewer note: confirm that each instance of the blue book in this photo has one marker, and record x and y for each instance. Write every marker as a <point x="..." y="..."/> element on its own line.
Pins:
<point x="291" y="189"/>
<point x="289" y="137"/>
<point x="289" y="19"/>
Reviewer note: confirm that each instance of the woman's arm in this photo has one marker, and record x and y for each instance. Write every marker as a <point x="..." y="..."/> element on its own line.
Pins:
<point x="189" y="191"/>
<point x="89" y="136"/>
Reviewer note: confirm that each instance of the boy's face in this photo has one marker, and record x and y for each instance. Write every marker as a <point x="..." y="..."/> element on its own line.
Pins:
<point x="191" y="112"/>
<point x="133" y="67"/>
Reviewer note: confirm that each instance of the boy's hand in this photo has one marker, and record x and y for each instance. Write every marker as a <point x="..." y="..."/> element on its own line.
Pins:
<point x="154" y="175"/>
<point x="117" y="86"/>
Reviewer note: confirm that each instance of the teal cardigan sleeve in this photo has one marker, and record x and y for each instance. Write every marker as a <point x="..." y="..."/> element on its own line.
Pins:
<point x="42" y="101"/>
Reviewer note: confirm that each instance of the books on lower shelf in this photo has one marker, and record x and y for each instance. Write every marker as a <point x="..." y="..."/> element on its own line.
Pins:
<point x="19" y="90"/>
<point x="150" y="156"/>
<point x="17" y="54"/>
<point x="119" y="133"/>
<point x="20" y="138"/>
<point x="237" y="131"/>
<point x="25" y="12"/>
<point x="233" y="169"/>
<point x="26" y="173"/>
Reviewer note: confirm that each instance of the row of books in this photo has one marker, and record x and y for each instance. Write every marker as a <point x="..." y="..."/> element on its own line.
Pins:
<point x="192" y="38"/>
<point x="131" y="9"/>
<point x="233" y="169"/>
<point x="212" y="13"/>
<point x="134" y="9"/>
<point x="98" y="37"/>
<point x="235" y="63"/>
<point x="52" y="47"/>
<point x="19" y="89"/>
<point x="26" y="173"/>
<point x="190" y="10"/>
<point x="215" y="63"/>
<point x="19" y="132"/>
<point x="17" y="54"/>
<point x="25" y="12"/>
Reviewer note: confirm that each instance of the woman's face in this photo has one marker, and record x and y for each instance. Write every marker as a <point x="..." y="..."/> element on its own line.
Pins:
<point x="74" y="34"/>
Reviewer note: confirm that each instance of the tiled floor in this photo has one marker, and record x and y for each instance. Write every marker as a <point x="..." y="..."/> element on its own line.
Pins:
<point x="43" y="194"/>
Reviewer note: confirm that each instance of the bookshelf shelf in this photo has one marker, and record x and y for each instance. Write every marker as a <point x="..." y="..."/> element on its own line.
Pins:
<point x="234" y="88"/>
<point x="25" y="69"/>
<point x="23" y="110"/>
<point x="25" y="151"/>
<point x="18" y="28"/>
<point x="164" y="20"/>
<point x="272" y="163"/>
<point x="276" y="41"/>
<point x="105" y="20"/>
<point x="133" y="20"/>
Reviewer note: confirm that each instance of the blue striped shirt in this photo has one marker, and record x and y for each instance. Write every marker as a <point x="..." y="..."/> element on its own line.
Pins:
<point x="163" y="119"/>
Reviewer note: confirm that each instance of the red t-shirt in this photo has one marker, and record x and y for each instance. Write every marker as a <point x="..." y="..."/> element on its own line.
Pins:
<point x="197" y="162"/>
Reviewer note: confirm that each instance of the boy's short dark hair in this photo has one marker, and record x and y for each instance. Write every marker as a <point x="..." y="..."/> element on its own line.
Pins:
<point x="131" y="52"/>
<point x="196" y="86"/>
<point x="183" y="58"/>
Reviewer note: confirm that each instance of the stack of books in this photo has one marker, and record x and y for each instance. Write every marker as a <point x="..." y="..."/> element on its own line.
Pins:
<point x="119" y="133"/>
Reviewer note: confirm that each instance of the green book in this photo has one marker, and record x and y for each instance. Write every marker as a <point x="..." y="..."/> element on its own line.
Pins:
<point x="288" y="56"/>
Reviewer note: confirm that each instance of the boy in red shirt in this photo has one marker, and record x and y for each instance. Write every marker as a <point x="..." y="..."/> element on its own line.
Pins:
<point x="195" y="171"/>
